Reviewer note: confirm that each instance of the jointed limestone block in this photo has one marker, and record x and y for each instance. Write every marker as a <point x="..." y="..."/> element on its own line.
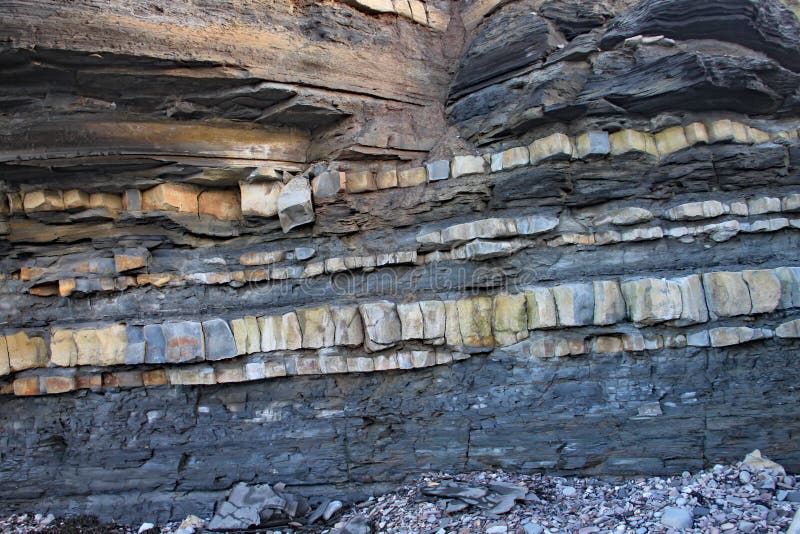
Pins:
<point x="726" y="294"/>
<point x="411" y="320"/>
<point x="260" y="199"/>
<point x="452" y="326"/>
<point x="74" y="199"/>
<point x="735" y="335"/>
<point x="438" y="170"/>
<point x="671" y="140"/>
<point x="475" y="321"/>
<point x="184" y="342"/>
<point x="360" y="181"/>
<point x="101" y="346"/>
<point x="348" y="327"/>
<point x="626" y="216"/>
<point x="510" y="159"/>
<point x="5" y="366"/>
<point x="652" y="300"/>
<point x="535" y="224"/>
<point x="386" y="179"/>
<point x="219" y="340"/>
<point x="510" y="319"/>
<point x="575" y="304"/>
<point x="541" y="307"/>
<point x="609" y="305"/>
<point x="246" y="335"/>
<point x="553" y="147"/>
<point x="696" y="210"/>
<point x="63" y="351"/>
<point x="433" y="320"/>
<point x="191" y="375"/>
<point x="171" y="197"/>
<point x="696" y="133"/>
<point x="280" y="332"/>
<point x="464" y="165"/>
<point x="220" y="203"/>
<point x="382" y="325"/>
<point x="317" y="327"/>
<point x="626" y="141"/>
<point x="592" y="144"/>
<point x="693" y="301"/>
<point x="765" y="290"/>
<point x="790" y="286"/>
<point x="412" y="177"/>
<point x="43" y="200"/>
<point x="294" y="204"/>
<point x="789" y="329"/>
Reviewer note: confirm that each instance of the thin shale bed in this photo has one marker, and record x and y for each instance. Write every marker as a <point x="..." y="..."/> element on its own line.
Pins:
<point x="752" y="496"/>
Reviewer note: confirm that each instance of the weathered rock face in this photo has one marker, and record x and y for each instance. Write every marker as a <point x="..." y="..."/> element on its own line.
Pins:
<point x="334" y="244"/>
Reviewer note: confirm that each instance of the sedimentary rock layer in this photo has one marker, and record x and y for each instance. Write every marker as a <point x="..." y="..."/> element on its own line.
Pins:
<point x="332" y="244"/>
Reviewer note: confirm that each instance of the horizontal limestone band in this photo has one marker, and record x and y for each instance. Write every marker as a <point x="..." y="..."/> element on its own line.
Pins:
<point x="475" y="322"/>
<point x="538" y="345"/>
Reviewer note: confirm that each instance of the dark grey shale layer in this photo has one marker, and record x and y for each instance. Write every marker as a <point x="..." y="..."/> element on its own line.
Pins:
<point x="378" y="92"/>
<point x="174" y="450"/>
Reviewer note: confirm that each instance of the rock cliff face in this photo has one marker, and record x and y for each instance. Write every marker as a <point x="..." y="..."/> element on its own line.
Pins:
<point x="332" y="244"/>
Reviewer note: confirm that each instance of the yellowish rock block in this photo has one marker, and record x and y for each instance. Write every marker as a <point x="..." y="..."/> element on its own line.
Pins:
<point x="222" y="204"/>
<point x="25" y="352"/>
<point x="171" y="197"/>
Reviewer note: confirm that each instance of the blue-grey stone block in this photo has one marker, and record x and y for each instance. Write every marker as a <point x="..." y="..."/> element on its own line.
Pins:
<point x="219" y="340"/>
<point x="134" y="352"/>
<point x="155" y="345"/>
<point x="184" y="342"/>
<point x="438" y="170"/>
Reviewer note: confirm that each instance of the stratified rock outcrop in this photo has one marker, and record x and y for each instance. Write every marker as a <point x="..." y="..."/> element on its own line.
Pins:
<point x="333" y="244"/>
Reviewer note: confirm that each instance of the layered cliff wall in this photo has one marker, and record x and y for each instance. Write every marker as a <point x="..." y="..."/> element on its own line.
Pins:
<point x="332" y="244"/>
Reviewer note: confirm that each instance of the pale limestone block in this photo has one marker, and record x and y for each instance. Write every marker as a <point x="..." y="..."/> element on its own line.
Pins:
<point x="510" y="323"/>
<point x="541" y="307"/>
<point x="609" y="305"/>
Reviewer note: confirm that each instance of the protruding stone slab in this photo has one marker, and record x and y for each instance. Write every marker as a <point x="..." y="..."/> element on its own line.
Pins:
<point x="294" y="204"/>
<point x="219" y="341"/>
<point x="696" y="210"/>
<point x="382" y="325"/>
<point x="693" y="301"/>
<point x="553" y="147"/>
<point x="106" y="201"/>
<point x="348" y="327"/>
<point x="260" y="199"/>
<point x="765" y="290"/>
<point x="535" y="224"/>
<point x="171" y="197"/>
<point x="625" y="216"/>
<point x="411" y="320"/>
<point x="725" y="130"/>
<point x="541" y="307"/>
<point x="317" y="326"/>
<point x="280" y="332"/>
<point x="465" y="165"/>
<point x="438" y="170"/>
<point x="790" y="329"/>
<point x="609" y="305"/>
<point x="29" y="385"/>
<point x="184" y="342"/>
<point x="510" y="319"/>
<point x="412" y="177"/>
<point x="475" y="321"/>
<point x="726" y="294"/>
<point x="652" y="300"/>
<point x="484" y="228"/>
<point x="574" y="303"/>
<point x="734" y="335"/>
